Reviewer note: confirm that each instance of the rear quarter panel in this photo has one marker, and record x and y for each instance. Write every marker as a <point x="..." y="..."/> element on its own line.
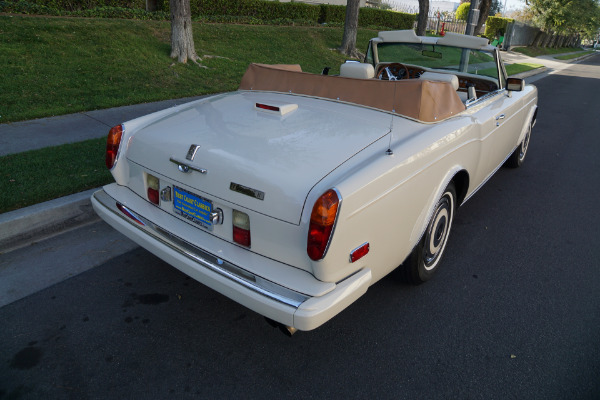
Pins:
<point x="388" y="199"/>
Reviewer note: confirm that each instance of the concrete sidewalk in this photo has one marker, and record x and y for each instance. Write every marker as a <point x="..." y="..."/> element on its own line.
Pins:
<point x="22" y="227"/>
<point x="35" y="134"/>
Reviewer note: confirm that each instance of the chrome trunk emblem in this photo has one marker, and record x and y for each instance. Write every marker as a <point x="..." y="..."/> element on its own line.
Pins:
<point x="257" y="194"/>
<point x="192" y="152"/>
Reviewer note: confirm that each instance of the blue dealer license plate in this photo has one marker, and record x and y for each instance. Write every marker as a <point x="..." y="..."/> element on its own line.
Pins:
<point x="192" y="207"/>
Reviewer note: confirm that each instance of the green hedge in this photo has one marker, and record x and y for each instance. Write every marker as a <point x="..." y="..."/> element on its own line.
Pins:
<point x="265" y="10"/>
<point x="237" y="11"/>
<point x="77" y="5"/>
<point x="391" y="19"/>
<point x="495" y="27"/>
<point x="25" y="7"/>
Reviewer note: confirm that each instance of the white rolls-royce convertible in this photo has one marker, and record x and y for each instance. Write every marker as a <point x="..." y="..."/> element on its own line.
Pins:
<point x="295" y="193"/>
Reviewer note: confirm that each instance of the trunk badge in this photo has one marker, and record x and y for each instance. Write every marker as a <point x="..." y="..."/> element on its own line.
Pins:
<point x="257" y="194"/>
<point x="192" y="152"/>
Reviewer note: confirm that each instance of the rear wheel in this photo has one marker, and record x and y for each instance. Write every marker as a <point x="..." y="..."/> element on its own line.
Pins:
<point x="425" y="258"/>
<point x="517" y="158"/>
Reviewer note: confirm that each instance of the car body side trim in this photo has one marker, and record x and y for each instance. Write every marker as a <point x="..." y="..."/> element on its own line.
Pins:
<point x="222" y="267"/>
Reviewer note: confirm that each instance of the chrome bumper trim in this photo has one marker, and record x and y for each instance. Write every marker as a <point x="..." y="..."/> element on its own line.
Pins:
<point x="215" y="264"/>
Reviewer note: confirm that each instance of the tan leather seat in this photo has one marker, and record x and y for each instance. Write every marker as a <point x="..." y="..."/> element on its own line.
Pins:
<point x="357" y="70"/>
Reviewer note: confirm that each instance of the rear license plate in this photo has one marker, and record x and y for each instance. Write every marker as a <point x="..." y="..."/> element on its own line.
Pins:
<point x="192" y="207"/>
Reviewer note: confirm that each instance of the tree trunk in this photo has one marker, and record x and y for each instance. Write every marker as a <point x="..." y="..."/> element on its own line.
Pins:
<point x="182" y="40"/>
<point x="484" y="10"/>
<point x="348" y="46"/>
<point x="151" y="5"/>
<point x="423" y="17"/>
<point x="539" y="37"/>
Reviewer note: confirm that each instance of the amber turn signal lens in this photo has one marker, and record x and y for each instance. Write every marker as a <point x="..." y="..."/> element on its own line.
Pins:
<point x="322" y="221"/>
<point x="112" y="145"/>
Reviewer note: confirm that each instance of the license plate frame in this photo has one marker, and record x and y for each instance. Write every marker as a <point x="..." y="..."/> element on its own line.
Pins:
<point x="192" y="207"/>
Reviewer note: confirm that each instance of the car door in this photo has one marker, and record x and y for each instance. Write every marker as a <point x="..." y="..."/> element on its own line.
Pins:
<point x="500" y="120"/>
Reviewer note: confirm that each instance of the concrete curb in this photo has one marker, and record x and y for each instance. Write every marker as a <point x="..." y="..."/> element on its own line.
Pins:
<point x="30" y="224"/>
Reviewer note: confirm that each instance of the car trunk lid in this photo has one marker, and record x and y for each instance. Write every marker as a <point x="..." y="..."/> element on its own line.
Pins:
<point x="266" y="159"/>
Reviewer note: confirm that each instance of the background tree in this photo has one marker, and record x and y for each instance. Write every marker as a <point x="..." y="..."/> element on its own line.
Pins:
<point x="423" y="17"/>
<point x="567" y="16"/>
<point x="484" y="11"/>
<point x="496" y="7"/>
<point x="348" y="46"/>
<point x="182" y="40"/>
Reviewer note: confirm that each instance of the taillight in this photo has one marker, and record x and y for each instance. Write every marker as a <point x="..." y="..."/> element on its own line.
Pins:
<point x="241" y="228"/>
<point x="322" y="221"/>
<point x="112" y="145"/>
<point x="153" y="184"/>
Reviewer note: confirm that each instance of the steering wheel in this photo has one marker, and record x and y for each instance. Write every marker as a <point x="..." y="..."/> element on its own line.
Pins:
<point x="393" y="72"/>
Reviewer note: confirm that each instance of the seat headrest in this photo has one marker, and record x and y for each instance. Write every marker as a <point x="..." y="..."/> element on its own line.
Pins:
<point x="435" y="76"/>
<point x="357" y="70"/>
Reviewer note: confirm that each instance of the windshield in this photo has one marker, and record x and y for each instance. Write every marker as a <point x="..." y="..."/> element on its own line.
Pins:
<point x="476" y="62"/>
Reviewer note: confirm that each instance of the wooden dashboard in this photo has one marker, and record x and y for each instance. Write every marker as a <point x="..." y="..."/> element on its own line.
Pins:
<point x="482" y="86"/>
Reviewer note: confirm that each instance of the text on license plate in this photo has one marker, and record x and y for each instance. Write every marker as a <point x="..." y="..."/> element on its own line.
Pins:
<point x="192" y="207"/>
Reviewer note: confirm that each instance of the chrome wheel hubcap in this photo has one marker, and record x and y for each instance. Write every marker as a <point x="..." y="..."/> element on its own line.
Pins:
<point x="524" y="145"/>
<point x="436" y="235"/>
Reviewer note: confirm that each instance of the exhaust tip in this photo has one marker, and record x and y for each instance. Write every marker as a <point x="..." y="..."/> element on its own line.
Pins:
<point x="286" y="330"/>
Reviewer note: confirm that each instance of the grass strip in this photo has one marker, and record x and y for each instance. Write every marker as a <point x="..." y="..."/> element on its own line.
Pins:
<point x="36" y="176"/>
<point x="543" y="51"/>
<point x="574" y="55"/>
<point x="513" y="69"/>
<point x="63" y="65"/>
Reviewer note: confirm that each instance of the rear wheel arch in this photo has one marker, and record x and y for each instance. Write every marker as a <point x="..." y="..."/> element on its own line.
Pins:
<point x="461" y="184"/>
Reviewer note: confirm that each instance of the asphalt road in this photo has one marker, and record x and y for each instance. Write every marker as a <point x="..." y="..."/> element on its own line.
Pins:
<point x="513" y="313"/>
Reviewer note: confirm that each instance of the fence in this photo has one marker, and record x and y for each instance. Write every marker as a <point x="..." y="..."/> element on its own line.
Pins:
<point x="444" y="21"/>
<point x="436" y="20"/>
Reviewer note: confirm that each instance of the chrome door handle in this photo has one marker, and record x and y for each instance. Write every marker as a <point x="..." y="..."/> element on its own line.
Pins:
<point x="501" y="116"/>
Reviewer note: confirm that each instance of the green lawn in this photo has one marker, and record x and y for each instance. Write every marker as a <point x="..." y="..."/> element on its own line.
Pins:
<point x="543" y="51"/>
<point x="574" y="55"/>
<point x="35" y="176"/>
<point x="65" y="65"/>
<point x="513" y="69"/>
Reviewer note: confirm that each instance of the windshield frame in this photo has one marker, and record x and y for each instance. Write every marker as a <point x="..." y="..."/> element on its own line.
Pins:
<point x="499" y="78"/>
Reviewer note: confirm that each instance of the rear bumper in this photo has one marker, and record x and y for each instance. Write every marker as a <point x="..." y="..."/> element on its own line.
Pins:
<point x="259" y="293"/>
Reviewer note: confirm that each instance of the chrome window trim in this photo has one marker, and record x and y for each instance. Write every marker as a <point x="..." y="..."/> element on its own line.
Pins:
<point x="487" y="96"/>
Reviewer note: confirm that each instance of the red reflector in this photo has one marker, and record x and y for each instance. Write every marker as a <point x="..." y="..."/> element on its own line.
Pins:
<point x="267" y="107"/>
<point x="241" y="236"/>
<point x="153" y="196"/>
<point x="359" y="252"/>
<point x="112" y="145"/>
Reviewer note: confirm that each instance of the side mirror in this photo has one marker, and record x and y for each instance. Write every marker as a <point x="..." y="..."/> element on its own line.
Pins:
<point x="516" y="84"/>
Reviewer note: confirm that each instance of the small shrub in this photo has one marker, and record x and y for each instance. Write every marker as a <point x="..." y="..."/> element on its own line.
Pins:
<point x="462" y="12"/>
<point x="496" y="26"/>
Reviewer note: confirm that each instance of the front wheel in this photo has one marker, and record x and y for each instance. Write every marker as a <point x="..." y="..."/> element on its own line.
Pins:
<point x="425" y="258"/>
<point x="517" y="158"/>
